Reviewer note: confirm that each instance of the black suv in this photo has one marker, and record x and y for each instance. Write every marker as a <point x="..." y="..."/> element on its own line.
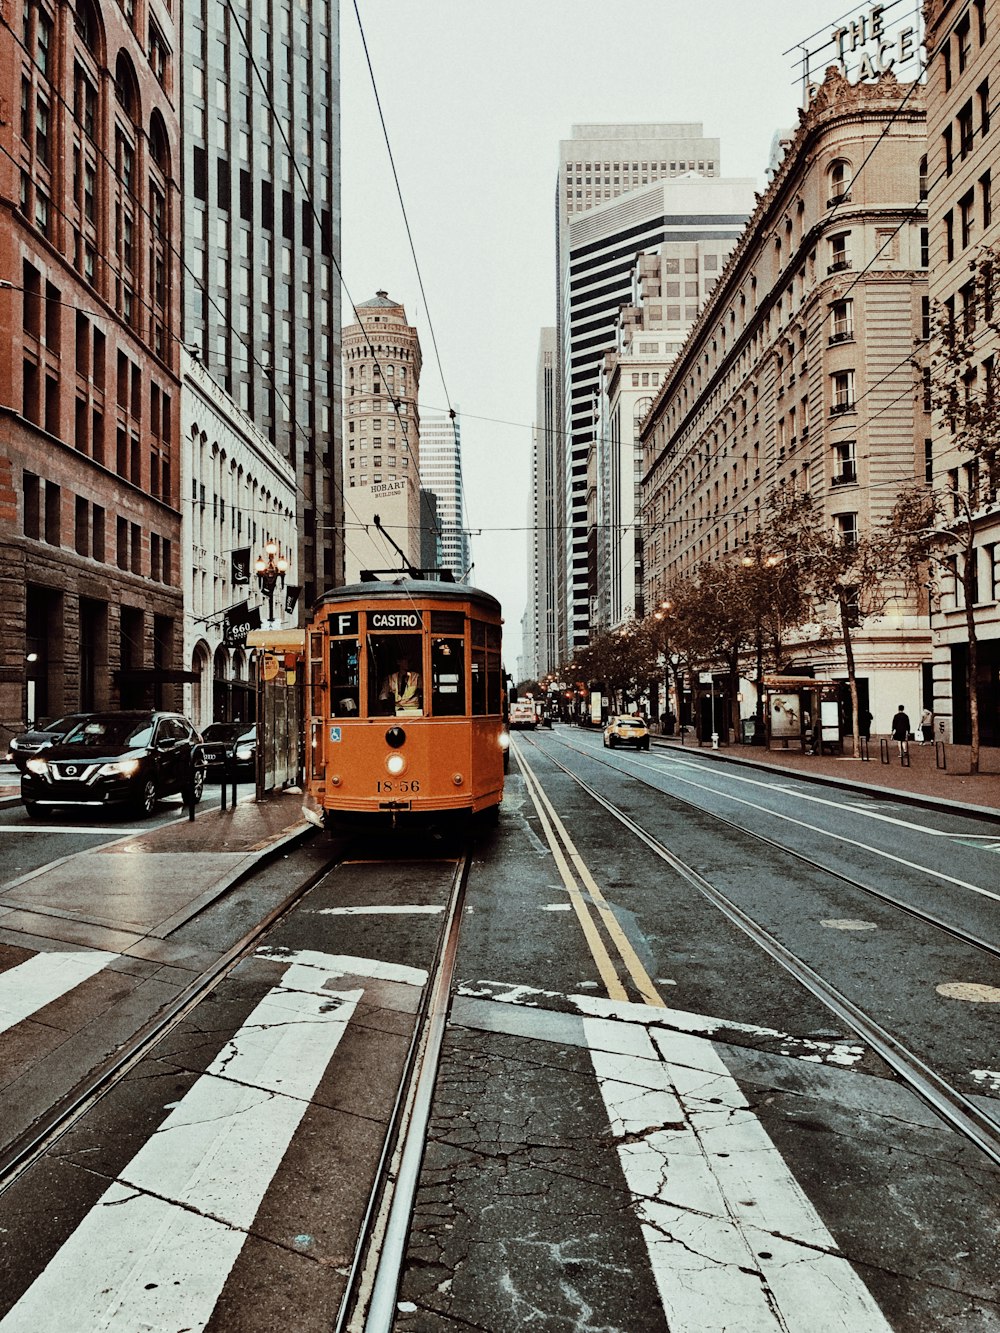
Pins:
<point x="129" y="758"/>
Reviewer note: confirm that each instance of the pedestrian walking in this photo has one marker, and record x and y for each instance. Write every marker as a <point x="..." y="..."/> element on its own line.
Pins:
<point x="927" y="727"/>
<point x="865" y="724"/>
<point x="901" y="728"/>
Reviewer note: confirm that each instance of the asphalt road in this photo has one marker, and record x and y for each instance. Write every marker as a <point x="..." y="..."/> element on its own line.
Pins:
<point x="641" y="1121"/>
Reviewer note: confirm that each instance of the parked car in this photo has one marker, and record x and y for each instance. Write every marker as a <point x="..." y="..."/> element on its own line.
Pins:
<point x="626" y="731"/>
<point x="236" y="738"/>
<point x="20" y="748"/>
<point x="128" y="758"/>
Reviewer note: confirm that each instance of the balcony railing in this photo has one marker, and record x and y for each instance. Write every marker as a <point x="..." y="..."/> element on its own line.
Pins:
<point x="838" y="409"/>
<point x="839" y="265"/>
<point x="841" y="336"/>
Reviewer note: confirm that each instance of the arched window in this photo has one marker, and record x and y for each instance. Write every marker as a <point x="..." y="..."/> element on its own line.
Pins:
<point x="159" y="144"/>
<point x="127" y="87"/>
<point x="88" y="27"/>
<point x="840" y="181"/>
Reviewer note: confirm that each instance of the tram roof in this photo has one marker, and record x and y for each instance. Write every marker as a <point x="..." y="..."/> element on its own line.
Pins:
<point x="380" y="589"/>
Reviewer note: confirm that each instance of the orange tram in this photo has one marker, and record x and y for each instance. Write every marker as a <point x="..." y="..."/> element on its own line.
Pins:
<point x="404" y="703"/>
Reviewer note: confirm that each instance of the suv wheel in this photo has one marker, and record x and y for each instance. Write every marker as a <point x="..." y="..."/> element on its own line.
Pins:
<point x="33" y="810"/>
<point x="146" y="803"/>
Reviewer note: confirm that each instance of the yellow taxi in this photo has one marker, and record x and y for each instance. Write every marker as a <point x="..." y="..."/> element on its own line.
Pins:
<point x="626" y="730"/>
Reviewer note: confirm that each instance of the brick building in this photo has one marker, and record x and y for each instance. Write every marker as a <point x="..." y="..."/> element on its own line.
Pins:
<point x="89" y="384"/>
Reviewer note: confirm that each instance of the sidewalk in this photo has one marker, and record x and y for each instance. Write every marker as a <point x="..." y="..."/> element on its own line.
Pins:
<point x="923" y="783"/>
<point x="186" y="864"/>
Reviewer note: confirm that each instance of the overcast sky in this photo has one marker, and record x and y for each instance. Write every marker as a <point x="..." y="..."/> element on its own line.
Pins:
<point x="476" y="97"/>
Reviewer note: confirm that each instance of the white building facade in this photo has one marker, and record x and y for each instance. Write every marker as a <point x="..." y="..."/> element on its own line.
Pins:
<point x="239" y="495"/>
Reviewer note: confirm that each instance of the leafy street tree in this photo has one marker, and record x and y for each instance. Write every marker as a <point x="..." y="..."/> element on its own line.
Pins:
<point x="624" y="660"/>
<point x="857" y="574"/>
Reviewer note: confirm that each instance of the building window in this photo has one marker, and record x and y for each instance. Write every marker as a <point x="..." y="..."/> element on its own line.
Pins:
<point x="983" y="92"/>
<point x="949" y="235"/>
<point x="842" y="321"/>
<point x="840" y="182"/>
<point x="840" y="257"/>
<point x="925" y="247"/>
<point x="986" y="199"/>
<point x="842" y="383"/>
<point x="963" y="43"/>
<point x="846" y="528"/>
<point x="965" y="130"/>
<point x="845" y="463"/>
<point x="949" y="155"/>
<point x="966" y="206"/>
<point x="923" y="177"/>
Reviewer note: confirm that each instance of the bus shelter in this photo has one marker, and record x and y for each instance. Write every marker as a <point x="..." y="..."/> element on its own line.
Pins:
<point x="279" y="673"/>
<point x="803" y="713"/>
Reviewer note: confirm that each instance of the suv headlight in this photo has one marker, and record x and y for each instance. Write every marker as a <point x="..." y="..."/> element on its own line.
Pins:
<point x="119" y="768"/>
<point x="244" y="752"/>
<point x="39" y="766"/>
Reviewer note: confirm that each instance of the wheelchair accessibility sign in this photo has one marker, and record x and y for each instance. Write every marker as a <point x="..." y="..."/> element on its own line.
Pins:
<point x="335" y="733"/>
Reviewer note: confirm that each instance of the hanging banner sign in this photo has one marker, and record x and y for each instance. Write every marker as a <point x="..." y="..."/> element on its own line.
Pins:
<point x="240" y="561"/>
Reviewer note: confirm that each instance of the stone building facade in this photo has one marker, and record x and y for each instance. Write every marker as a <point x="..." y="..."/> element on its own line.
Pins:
<point x="89" y="380"/>
<point x="963" y="172"/>
<point x="799" y="371"/>
<point x="382" y="361"/>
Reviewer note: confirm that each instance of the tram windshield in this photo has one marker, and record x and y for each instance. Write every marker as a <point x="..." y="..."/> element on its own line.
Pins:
<point x="395" y="677"/>
<point x="344" y="695"/>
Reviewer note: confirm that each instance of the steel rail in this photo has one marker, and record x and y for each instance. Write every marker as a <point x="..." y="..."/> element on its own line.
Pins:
<point x="919" y="913"/>
<point x="376" y="1268"/>
<point x="952" y="1106"/>
<point x="28" y="1146"/>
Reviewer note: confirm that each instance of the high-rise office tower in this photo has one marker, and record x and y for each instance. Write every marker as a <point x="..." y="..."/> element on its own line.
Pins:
<point x="441" y="473"/>
<point x="261" y="99"/>
<point x="605" y="219"/>
<point x="544" y="536"/>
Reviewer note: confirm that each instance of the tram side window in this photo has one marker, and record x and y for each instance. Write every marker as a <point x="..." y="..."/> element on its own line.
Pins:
<point x="447" y="677"/>
<point x="344" y="696"/>
<point x="494" y="678"/>
<point x="316" y="681"/>
<point x="395" y="681"/>
<point x="479" y="669"/>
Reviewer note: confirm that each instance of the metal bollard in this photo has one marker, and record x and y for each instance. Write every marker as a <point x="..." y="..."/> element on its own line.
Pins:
<point x="904" y="754"/>
<point x="883" y="749"/>
<point x="940" y="755"/>
<point x="863" y="749"/>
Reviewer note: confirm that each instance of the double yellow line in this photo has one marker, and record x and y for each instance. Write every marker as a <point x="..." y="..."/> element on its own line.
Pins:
<point x="585" y="896"/>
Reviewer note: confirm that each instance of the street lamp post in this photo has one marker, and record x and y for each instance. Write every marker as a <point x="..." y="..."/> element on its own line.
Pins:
<point x="271" y="568"/>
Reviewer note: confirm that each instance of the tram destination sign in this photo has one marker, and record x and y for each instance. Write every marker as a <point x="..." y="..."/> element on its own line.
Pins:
<point x="395" y="619"/>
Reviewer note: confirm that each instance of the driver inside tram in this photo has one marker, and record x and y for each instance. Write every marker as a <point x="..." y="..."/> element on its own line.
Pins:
<point x="402" y="688"/>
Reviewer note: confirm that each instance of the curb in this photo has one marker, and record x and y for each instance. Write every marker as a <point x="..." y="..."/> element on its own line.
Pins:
<point x="830" y="780"/>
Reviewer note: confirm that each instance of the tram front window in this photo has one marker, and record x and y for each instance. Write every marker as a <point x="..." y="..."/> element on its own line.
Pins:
<point x="447" y="677"/>
<point x="395" y="683"/>
<point x="344" y="697"/>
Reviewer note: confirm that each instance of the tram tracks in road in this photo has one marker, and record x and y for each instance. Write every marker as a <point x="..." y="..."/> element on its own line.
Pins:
<point x="26" y="1148"/>
<point x="369" y="1301"/>
<point x="958" y="1111"/>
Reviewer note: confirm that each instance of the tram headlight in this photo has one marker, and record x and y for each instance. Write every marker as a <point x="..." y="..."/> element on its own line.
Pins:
<point x="396" y="764"/>
<point x="504" y="741"/>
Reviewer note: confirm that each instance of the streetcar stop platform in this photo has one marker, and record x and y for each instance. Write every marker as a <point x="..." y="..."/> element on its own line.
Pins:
<point x="922" y="782"/>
